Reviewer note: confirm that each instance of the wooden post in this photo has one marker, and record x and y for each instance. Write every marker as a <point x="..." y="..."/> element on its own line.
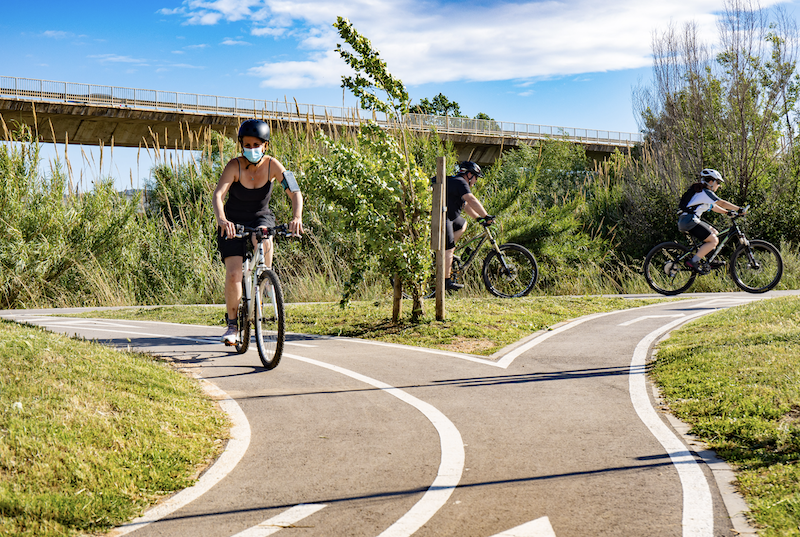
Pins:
<point x="438" y="209"/>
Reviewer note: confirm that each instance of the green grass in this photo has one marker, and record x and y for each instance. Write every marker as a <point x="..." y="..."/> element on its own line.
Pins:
<point x="90" y="436"/>
<point x="735" y="377"/>
<point x="477" y="326"/>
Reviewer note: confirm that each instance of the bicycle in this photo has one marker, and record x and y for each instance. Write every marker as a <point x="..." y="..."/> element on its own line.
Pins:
<point x="509" y="270"/>
<point x="756" y="266"/>
<point x="262" y="299"/>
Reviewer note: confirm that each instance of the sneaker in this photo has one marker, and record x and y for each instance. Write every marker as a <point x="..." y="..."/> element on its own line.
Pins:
<point x="700" y="268"/>
<point x="450" y="285"/>
<point x="231" y="335"/>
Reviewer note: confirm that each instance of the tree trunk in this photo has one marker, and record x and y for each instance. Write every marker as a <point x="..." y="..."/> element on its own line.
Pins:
<point x="397" y="301"/>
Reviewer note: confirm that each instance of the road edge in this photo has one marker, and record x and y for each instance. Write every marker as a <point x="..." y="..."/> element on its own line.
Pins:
<point x="724" y="475"/>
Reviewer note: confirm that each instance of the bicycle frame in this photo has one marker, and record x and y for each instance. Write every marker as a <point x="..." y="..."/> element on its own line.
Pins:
<point x="734" y="232"/>
<point x="253" y="265"/>
<point x="472" y="252"/>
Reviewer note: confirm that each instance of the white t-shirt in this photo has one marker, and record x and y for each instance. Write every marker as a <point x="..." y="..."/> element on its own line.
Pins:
<point x="702" y="202"/>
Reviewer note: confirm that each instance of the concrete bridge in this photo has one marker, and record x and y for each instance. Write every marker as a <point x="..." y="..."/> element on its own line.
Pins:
<point x="90" y="114"/>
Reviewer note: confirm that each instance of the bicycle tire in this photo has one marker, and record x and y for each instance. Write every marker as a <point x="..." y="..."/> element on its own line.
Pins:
<point x="270" y="322"/>
<point x="520" y="276"/>
<point x="664" y="269"/>
<point x="765" y="275"/>
<point x="243" y="342"/>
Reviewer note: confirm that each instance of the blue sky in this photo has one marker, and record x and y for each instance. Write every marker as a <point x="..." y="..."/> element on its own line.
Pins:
<point x="570" y="63"/>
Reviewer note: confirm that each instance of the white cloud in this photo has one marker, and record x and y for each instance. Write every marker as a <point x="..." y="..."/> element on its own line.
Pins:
<point x="424" y="42"/>
<point x="115" y="58"/>
<point x="233" y="42"/>
<point x="57" y="34"/>
<point x="274" y="32"/>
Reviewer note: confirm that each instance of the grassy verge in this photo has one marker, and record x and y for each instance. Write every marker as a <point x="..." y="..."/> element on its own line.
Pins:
<point x="478" y="326"/>
<point x="90" y="436"/>
<point x="735" y="377"/>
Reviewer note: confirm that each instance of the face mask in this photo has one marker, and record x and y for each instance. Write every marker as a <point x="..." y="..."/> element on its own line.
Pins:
<point x="253" y="155"/>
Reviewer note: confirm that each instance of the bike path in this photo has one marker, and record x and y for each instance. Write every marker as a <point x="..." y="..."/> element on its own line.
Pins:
<point x="375" y="439"/>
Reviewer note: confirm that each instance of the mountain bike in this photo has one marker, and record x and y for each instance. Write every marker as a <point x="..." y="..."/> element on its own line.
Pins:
<point x="261" y="304"/>
<point x="509" y="270"/>
<point x="756" y="266"/>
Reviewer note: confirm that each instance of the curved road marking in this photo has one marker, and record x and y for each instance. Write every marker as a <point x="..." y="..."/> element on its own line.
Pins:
<point x="284" y="520"/>
<point x="451" y="466"/>
<point x="698" y="513"/>
<point x="234" y="451"/>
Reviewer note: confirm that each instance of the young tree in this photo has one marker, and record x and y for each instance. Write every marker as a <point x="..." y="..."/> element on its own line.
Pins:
<point x="382" y="191"/>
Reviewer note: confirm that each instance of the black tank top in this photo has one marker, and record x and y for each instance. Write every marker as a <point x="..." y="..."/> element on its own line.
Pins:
<point x="247" y="204"/>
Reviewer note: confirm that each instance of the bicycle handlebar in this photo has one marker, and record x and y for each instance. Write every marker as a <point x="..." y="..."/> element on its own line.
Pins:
<point x="740" y="213"/>
<point x="281" y="230"/>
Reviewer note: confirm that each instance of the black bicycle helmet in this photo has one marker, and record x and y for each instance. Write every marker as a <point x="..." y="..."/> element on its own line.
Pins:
<point x="470" y="167"/>
<point x="710" y="174"/>
<point x="255" y="128"/>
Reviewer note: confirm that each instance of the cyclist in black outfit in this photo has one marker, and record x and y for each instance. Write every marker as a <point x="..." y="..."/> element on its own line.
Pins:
<point x="249" y="180"/>
<point x="460" y="196"/>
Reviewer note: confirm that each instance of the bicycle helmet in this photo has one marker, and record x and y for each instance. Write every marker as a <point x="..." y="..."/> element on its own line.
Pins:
<point x="255" y="128"/>
<point x="470" y="167"/>
<point x="709" y="174"/>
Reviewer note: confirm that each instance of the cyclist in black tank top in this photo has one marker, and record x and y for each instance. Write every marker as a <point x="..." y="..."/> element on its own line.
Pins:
<point x="248" y="181"/>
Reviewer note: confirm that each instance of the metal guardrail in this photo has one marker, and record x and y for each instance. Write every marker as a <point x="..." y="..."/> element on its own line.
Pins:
<point x="92" y="94"/>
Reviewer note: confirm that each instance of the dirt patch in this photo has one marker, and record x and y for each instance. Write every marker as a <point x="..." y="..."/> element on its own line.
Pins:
<point x="793" y="417"/>
<point x="469" y="345"/>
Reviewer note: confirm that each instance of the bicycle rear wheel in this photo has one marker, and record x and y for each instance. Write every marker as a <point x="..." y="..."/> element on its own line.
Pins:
<point x="270" y="321"/>
<point x="511" y="273"/>
<point x="757" y="267"/>
<point x="664" y="269"/>
<point x="243" y="342"/>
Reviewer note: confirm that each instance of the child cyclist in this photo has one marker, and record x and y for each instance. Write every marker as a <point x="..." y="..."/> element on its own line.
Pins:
<point x="702" y="197"/>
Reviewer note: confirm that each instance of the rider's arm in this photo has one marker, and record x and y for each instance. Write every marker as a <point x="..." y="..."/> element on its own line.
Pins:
<point x="722" y="206"/>
<point x="218" y="199"/>
<point x="473" y="206"/>
<point x="296" y="225"/>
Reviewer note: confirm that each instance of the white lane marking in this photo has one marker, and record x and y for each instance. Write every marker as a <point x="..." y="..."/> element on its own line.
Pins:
<point x="645" y="317"/>
<point x="509" y="358"/>
<point x="287" y="519"/>
<point x="199" y="339"/>
<point x="234" y="451"/>
<point x="48" y="321"/>
<point x="698" y="514"/>
<point x="451" y="466"/>
<point x="537" y="528"/>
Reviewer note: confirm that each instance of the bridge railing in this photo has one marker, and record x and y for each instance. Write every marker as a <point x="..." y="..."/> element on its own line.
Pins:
<point x="92" y="94"/>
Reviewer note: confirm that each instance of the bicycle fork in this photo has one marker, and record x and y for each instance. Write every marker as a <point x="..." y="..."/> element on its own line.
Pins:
<point x="500" y="255"/>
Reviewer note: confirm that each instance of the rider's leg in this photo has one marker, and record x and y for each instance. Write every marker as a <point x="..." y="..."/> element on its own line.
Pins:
<point x="233" y="285"/>
<point x="708" y="246"/>
<point x="268" y="251"/>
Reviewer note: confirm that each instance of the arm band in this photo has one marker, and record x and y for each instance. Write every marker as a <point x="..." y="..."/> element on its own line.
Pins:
<point x="290" y="182"/>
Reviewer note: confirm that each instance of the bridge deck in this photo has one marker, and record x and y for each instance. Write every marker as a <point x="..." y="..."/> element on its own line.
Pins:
<point x="88" y="113"/>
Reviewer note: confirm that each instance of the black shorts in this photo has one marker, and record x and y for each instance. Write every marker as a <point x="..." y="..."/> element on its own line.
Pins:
<point x="450" y="227"/>
<point x="238" y="247"/>
<point x="702" y="230"/>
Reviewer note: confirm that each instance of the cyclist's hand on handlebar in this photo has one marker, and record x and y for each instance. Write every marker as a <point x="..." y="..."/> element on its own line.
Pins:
<point x="227" y="228"/>
<point x="487" y="220"/>
<point x="296" y="227"/>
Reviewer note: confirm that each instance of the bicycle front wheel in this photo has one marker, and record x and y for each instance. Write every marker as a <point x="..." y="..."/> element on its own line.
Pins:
<point x="270" y="321"/>
<point x="664" y="269"/>
<point x="511" y="273"/>
<point x="757" y="267"/>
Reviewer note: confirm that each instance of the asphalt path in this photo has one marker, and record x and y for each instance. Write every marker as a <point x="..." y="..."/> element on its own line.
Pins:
<point x="558" y="435"/>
